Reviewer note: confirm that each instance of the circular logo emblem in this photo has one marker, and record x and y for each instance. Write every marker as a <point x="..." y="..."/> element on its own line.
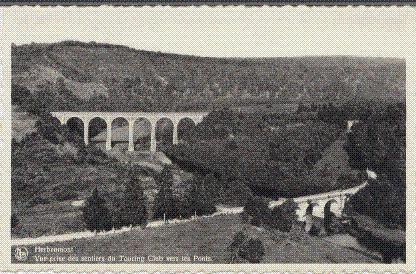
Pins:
<point x="21" y="253"/>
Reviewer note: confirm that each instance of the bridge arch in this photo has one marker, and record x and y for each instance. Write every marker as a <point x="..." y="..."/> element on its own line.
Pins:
<point x="185" y="125"/>
<point x="311" y="206"/>
<point x="98" y="129"/>
<point x="329" y="215"/>
<point x="119" y="132"/>
<point x="142" y="128"/>
<point x="165" y="132"/>
<point x="76" y="126"/>
<point x="327" y="207"/>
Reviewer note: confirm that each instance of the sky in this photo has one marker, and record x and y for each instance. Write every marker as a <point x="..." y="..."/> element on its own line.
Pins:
<point x="219" y="32"/>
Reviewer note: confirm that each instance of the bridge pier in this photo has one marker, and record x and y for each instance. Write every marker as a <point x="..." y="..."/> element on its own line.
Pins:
<point x="86" y="131"/>
<point x="153" y="137"/>
<point x="131" y="132"/>
<point x="108" y="141"/>
<point x="175" y="132"/>
<point x="86" y="136"/>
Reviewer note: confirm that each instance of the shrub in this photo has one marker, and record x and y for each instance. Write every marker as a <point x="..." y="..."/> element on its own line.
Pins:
<point x="284" y="216"/>
<point x="91" y="154"/>
<point x="38" y="200"/>
<point x="314" y="231"/>
<point x="116" y="209"/>
<point x="244" y="248"/>
<point x="257" y="210"/>
<point x="65" y="195"/>
<point x="96" y="214"/>
<point x="252" y="251"/>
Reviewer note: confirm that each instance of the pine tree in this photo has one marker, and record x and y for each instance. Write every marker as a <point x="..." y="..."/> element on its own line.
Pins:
<point x="198" y="201"/>
<point x="134" y="211"/>
<point x="14" y="220"/>
<point x="165" y="205"/>
<point x="96" y="214"/>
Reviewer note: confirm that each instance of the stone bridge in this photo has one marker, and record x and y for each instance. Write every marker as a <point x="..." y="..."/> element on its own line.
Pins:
<point x="318" y="204"/>
<point x="131" y="117"/>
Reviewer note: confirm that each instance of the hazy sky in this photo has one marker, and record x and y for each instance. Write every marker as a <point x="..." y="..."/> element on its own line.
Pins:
<point x="242" y="32"/>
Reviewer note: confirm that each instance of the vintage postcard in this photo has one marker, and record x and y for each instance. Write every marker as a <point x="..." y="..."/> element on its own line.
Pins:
<point x="208" y="139"/>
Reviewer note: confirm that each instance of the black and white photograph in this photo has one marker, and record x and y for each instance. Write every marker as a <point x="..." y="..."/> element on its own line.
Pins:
<point x="136" y="141"/>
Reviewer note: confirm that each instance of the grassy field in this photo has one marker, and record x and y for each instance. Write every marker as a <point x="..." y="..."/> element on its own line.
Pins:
<point x="207" y="238"/>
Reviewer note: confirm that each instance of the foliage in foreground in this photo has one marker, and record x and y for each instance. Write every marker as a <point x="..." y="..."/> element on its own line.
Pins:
<point x="133" y="211"/>
<point x="245" y="249"/>
<point x="282" y="217"/>
<point x="96" y="214"/>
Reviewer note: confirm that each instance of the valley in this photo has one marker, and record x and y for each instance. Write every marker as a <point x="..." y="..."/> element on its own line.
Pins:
<point x="106" y="137"/>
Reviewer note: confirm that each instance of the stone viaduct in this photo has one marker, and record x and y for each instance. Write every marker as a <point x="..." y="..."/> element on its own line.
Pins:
<point x="317" y="204"/>
<point x="131" y="117"/>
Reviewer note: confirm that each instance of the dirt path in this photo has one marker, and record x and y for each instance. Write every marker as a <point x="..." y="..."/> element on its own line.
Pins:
<point x="89" y="234"/>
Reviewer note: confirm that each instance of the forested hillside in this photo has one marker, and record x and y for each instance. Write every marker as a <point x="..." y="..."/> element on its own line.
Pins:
<point x="109" y="77"/>
<point x="379" y="143"/>
<point x="275" y="155"/>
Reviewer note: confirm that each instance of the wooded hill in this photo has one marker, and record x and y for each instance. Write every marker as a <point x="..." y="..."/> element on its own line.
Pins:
<point x="87" y="71"/>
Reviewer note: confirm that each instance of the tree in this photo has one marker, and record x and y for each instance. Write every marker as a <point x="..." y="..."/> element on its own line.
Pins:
<point x="19" y="94"/>
<point x="252" y="251"/>
<point x="60" y="87"/>
<point x="284" y="216"/>
<point x="14" y="221"/>
<point x="96" y="214"/>
<point x="379" y="143"/>
<point x="40" y="102"/>
<point x="258" y="210"/>
<point x="244" y="248"/>
<point x="197" y="201"/>
<point x="382" y="201"/>
<point x="49" y="128"/>
<point x="329" y="216"/>
<point x="165" y="205"/>
<point x="134" y="210"/>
